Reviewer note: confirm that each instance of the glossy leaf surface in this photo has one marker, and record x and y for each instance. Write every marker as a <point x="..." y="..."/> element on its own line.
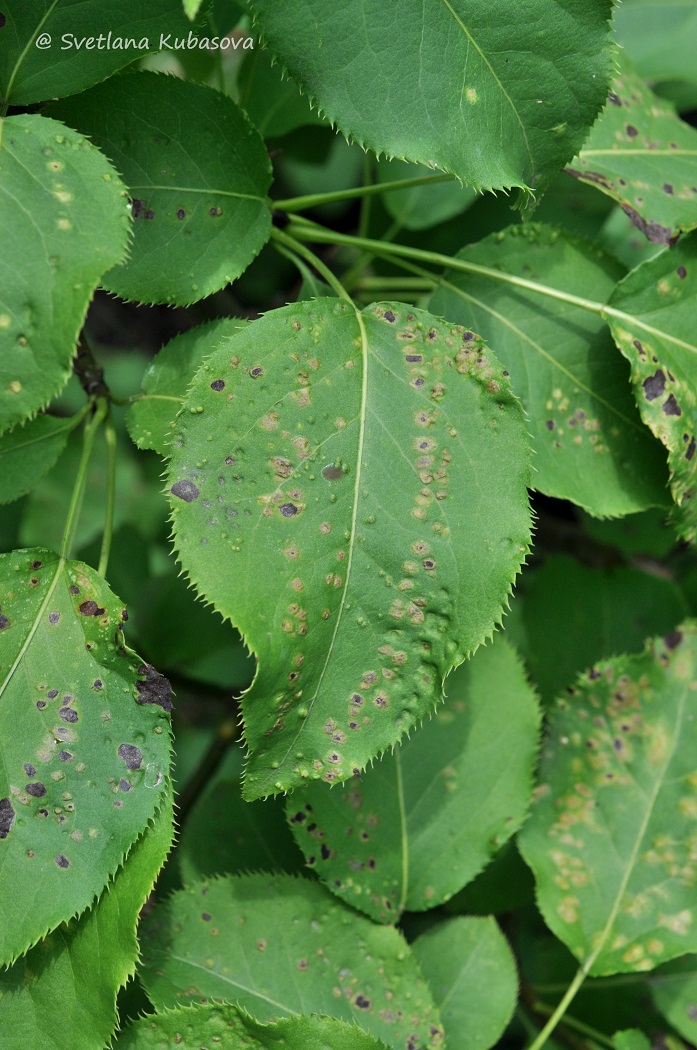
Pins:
<point x="45" y="287"/>
<point x="62" y="994"/>
<point x="643" y="156"/>
<point x="197" y="174"/>
<point x="379" y="840"/>
<point x="327" y="498"/>
<point x="189" y="1028"/>
<point x="54" y="49"/>
<point x="618" y="767"/>
<point x="302" y="952"/>
<point x="424" y="83"/>
<point x="651" y="315"/>
<point x="88" y="769"/>
<point x="28" y="452"/>
<point x="472" y="973"/>
<point x="590" y="444"/>
<point x="151" y="419"/>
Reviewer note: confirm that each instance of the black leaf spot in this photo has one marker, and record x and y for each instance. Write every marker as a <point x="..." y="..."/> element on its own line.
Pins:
<point x="654" y="385"/>
<point x="218" y="384"/>
<point x="288" y="510"/>
<point x="36" y="789"/>
<point x="132" y="756"/>
<point x="7" y="817"/>
<point x="185" y="490"/>
<point x="671" y="407"/>
<point x="156" y="689"/>
<point x="90" y="608"/>
<point x="62" y="861"/>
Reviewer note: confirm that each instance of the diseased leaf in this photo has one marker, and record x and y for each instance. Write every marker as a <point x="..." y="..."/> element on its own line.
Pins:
<point x="673" y="989"/>
<point x="611" y="837"/>
<point x="326" y="497"/>
<point x="54" y="49"/>
<point x="419" y="207"/>
<point x="472" y="975"/>
<point x="29" y="451"/>
<point x="302" y="952"/>
<point x="45" y="287"/>
<point x="643" y="156"/>
<point x="84" y="743"/>
<point x="191" y="1026"/>
<point x="380" y="840"/>
<point x="424" y="83"/>
<point x="588" y="438"/>
<point x="651" y="314"/>
<point x="575" y="615"/>
<point x="197" y="173"/>
<point x="150" y="420"/>
<point x="62" y="994"/>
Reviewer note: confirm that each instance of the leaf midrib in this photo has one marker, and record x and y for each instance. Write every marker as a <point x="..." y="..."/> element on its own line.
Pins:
<point x="493" y="73"/>
<point x="351" y="543"/>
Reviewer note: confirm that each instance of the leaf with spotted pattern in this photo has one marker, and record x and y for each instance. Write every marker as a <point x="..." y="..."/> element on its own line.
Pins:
<point x="301" y="952"/>
<point x="652" y="317"/>
<point x="190" y="1027"/>
<point x="349" y="488"/>
<point x="643" y="156"/>
<point x="612" y="836"/>
<point x="378" y="841"/>
<point x="590" y="444"/>
<point x="80" y="967"/>
<point x="84" y="743"/>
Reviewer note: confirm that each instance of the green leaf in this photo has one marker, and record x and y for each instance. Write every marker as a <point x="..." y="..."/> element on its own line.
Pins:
<point x="658" y="36"/>
<point x="302" y="952"/>
<point x="472" y="974"/>
<point x="137" y="498"/>
<point x="189" y="1027"/>
<point x="192" y="8"/>
<point x="523" y="84"/>
<point x="506" y="883"/>
<point x="673" y="989"/>
<point x="589" y="441"/>
<point x="648" y="533"/>
<point x="29" y="451"/>
<point x="62" y="994"/>
<point x="575" y="615"/>
<point x="419" y="207"/>
<point x="631" y="1039"/>
<point x="651" y="314"/>
<point x="611" y="838"/>
<point x="84" y="743"/>
<point x="326" y="499"/>
<point x="379" y="841"/>
<point x="150" y="419"/>
<point x="197" y="173"/>
<point x="45" y="287"/>
<point x="272" y="102"/>
<point x="256" y="836"/>
<point x="54" y="49"/>
<point x="643" y="156"/>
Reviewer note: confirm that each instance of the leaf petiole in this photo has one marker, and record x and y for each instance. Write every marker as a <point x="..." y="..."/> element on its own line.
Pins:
<point x="89" y="434"/>
<point x="110" y="436"/>
<point x="314" y="200"/>
<point x="304" y="252"/>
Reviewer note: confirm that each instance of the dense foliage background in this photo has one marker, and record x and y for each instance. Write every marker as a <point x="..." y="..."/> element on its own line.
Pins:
<point x="348" y="367"/>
